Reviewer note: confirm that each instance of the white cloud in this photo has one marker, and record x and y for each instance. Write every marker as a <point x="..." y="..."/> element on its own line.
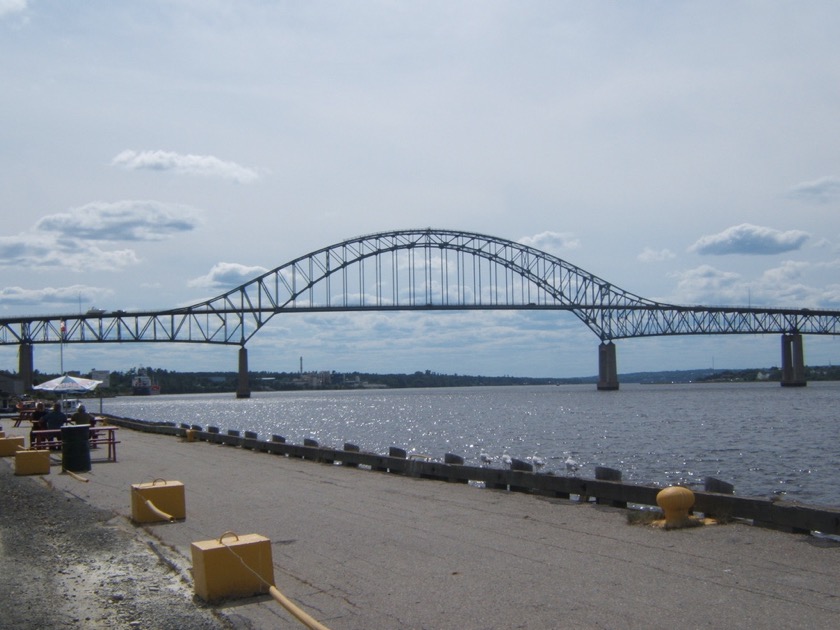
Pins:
<point x="60" y="253"/>
<point x="551" y="242"/>
<point x="707" y="285"/>
<point x="225" y="275"/>
<point x="203" y="165"/>
<point x="10" y="7"/>
<point x="54" y="296"/>
<point x="73" y="240"/>
<point x="822" y="190"/>
<point x="831" y="296"/>
<point x="789" y="284"/>
<point x="95" y="259"/>
<point x="749" y="239"/>
<point x="786" y="273"/>
<point x="650" y="255"/>
<point x="23" y="249"/>
<point x="122" y="221"/>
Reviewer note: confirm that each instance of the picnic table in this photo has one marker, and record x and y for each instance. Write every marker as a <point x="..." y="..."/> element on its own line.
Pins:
<point x="100" y="435"/>
<point x="24" y="414"/>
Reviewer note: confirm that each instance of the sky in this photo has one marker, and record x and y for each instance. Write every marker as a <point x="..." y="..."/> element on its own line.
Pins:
<point x="156" y="153"/>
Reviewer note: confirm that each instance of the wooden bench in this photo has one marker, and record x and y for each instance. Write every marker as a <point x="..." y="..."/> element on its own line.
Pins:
<point x="99" y="436"/>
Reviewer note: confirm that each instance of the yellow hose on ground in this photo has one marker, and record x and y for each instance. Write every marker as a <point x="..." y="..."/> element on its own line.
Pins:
<point x="77" y="477"/>
<point x="158" y="512"/>
<point x="155" y="509"/>
<point x="305" y="618"/>
<point x="300" y="615"/>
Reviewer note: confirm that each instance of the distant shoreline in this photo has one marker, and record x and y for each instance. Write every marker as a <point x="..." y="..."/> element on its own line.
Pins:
<point x="120" y="383"/>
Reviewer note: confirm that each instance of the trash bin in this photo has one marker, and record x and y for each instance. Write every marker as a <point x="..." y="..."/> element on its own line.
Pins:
<point x="75" y="447"/>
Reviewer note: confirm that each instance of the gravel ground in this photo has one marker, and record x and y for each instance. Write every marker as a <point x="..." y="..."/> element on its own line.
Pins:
<point x="66" y="564"/>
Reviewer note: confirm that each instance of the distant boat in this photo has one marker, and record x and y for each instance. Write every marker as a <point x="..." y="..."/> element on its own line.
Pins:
<point x="142" y="385"/>
<point x="70" y="405"/>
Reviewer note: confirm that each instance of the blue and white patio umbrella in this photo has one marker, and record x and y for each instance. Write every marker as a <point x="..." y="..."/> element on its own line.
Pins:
<point x="68" y="385"/>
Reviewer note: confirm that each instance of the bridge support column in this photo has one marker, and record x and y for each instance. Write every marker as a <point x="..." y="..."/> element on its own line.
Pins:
<point x="25" y="364"/>
<point x="607" y="367"/>
<point x="793" y="361"/>
<point x="243" y="388"/>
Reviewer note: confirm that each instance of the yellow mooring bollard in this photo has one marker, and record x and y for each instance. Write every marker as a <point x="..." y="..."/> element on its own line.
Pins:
<point x="676" y="501"/>
<point x="157" y="501"/>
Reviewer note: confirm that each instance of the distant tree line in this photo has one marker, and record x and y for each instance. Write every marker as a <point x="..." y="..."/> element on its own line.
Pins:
<point x="172" y="382"/>
<point x="433" y="379"/>
<point x="815" y="373"/>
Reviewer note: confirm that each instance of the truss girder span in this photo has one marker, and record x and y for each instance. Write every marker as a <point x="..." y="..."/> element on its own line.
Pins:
<point x="672" y="320"/>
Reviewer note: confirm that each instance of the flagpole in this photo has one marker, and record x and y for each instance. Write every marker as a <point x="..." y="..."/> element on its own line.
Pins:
<point x="61" y="345"/>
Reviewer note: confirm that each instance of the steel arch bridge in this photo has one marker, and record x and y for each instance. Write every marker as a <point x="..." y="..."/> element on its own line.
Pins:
<point x="424" y="269"/>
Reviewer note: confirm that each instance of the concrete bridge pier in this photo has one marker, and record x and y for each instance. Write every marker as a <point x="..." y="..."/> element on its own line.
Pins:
<point x="607" y="367"/>
<point x="793" y="361"/>
<point x="25" y="363"/>
<point x="243" y="388"/>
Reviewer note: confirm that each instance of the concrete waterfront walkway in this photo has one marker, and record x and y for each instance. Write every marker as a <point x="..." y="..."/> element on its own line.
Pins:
<point x="362" y="549"/>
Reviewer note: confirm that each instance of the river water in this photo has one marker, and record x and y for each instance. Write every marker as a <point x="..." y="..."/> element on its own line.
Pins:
<point x="765" y="439"/>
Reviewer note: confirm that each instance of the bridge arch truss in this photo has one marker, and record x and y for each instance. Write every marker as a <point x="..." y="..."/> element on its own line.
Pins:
<point x="419" y="270"/>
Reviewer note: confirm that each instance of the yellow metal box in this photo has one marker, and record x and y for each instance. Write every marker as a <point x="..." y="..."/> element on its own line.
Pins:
<point x="232" y="566"/>
<point x="10" y="445"/>
<point x="32" y="463"/>
<point x="166" y="496"/>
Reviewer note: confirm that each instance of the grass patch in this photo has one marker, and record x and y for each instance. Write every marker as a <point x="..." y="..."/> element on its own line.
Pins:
<point x="644" y="517"/>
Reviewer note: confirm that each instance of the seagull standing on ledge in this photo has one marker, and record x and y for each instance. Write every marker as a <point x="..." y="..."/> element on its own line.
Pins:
<point x="506" y="460"/>
<point x="572" y="465"/>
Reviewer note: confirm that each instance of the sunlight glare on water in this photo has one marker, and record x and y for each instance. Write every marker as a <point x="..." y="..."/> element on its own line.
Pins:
<point x="762" y="438"/>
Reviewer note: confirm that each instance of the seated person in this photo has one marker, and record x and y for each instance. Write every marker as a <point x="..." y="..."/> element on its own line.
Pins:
<point x="37" y="422"/>
<point x="38" y="416"/>
<point x="55" y="418"/>
<point x="81" y="416"/>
